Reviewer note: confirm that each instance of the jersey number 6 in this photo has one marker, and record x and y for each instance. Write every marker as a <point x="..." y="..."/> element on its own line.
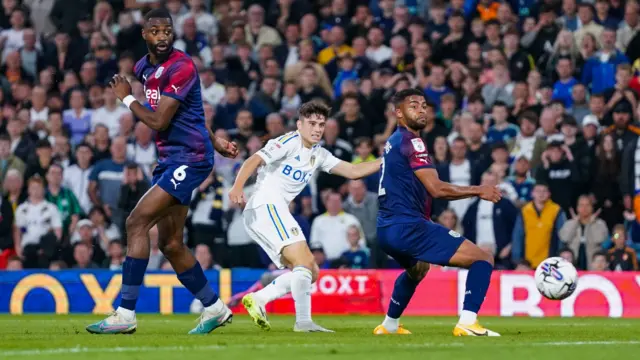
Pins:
<point x="179" y="174"/>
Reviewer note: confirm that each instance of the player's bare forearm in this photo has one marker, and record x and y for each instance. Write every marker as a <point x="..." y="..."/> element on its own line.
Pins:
<point x="356" y="171"/>
<point x="156" y="120"/>
<point x="448" y="191"/>
<point x="247" y="169"/>
<point x="444" y="190"/>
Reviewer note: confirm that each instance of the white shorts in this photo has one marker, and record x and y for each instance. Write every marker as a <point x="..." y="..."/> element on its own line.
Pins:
<point x="272" y="227"/>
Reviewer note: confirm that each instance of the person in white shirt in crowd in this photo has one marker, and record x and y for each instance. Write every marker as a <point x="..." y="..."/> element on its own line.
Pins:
<point x="38" y="227"/>
<point x="76" y="176"/>
<point x="212" y="91"/>
<point x="12" y="39"/>
<point x="377" y="50"/>
<point x="143" y="151"/>
<point x="329" y="230"/>
<point x="39" y="110"/>
<point x="31" y="55"/>
<point x="109" y="115"/>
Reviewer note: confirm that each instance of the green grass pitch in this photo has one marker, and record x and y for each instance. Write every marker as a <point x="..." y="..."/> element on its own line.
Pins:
<point x="164" y="337"/>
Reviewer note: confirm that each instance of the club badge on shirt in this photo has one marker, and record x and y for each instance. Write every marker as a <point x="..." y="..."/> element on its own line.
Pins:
<point x="159" y="72"/>
<point x="418" y="145"/>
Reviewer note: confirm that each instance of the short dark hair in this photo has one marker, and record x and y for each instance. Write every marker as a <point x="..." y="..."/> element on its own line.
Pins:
<point x="159" y="13"/>
<point x="598" y="253"/>
<point x="400" y="96"/>
<point x="500" y="103"/>
<point x="314" y="108"/>
<point x="43" y="143"/>
<point x="351" y="96"/>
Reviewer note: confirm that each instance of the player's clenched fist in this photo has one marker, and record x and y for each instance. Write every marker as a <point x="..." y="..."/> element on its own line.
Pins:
<point x="490" y="193"/>
<point x="237" y="196"/>
<point x="226" y="148"/>
<point x="120" y="86"/>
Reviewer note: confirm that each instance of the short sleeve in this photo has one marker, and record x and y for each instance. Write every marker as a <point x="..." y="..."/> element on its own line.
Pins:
<point x="93" y="176"/>
<point x="328" y="161"/>
<point x="273" y="151"/>
<point x="416" y="153"/>
<point x="181" y="77"/>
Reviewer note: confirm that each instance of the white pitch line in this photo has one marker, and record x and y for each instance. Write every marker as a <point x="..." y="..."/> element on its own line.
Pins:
<point x="85" y="350"/>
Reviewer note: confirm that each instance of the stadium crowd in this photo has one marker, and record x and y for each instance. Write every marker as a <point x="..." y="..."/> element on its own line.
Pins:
<point x="539" y="98"/>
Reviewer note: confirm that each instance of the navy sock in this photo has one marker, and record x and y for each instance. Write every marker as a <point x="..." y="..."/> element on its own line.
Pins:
<point x="402" y="292"/>
<point x="132" y="275"/>
<point x="195" y="281"/>
<point x="478" y="279"/>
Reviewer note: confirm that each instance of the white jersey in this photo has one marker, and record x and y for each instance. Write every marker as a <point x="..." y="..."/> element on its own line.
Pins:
<point x="288" y="168"/>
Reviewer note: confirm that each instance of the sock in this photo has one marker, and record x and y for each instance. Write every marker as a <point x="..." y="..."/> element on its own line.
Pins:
<point x="478" y="280"/>
<point x="132" y="275"/>
<point x="391" y="324"/>
<point x="195" y="281"/>
<point x="278" y="288"/>
<point x="403" y="290"/>
<point x="301" y="292"/>
<point x="216" y="307"/>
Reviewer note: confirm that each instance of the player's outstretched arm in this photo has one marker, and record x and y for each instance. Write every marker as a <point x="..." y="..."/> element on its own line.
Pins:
<point x="225" y="148"/>
<point x="157" y="120"/>
<point x="236" y="194"/>
<point x="356" y="171"/>
<point x="444" y="190"/>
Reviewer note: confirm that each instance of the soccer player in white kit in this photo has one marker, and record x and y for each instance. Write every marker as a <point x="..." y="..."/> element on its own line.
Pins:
<point x="286" y="164"/>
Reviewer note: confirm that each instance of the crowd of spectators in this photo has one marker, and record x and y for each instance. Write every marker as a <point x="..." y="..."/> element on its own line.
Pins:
<point x="539" y="98"/>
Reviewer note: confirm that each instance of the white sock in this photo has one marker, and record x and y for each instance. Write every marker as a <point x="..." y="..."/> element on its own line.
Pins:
<point x="391" y="324"/>
<point x="468" y="317"/>
<point x="301" y="292"/>
<point x="278" y="288"/>
<point x="216" y="307"/>
<point x="129" y="315"/>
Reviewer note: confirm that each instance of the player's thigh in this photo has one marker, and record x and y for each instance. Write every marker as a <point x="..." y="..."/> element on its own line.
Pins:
<point x="432" y="243"/>
<point x="392" y="240"/>
<point x="467" y="254"/>
<point x="274" y="229"/>
<point x="171" y="227"/>
<point x="153" y="205"/>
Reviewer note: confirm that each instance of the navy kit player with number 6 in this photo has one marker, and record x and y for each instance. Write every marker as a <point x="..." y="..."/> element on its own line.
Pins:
<point x="185" y="149"/>
<point x="408" y="181"/>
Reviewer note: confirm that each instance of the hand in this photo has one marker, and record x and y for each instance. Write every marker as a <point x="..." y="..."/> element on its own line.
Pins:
<point x="595" y="215"/>
<point x="107" y="209"/>
<point x="567" y="151"/>
<point x="226" y="148"/>
<point x="574" y="216"/>
<point x="629" y="216"/>
<point x="120" y="86"/>
<point x="237" y="196"/>
<point x="490" y="193"/>
<point x="18" y="250"/>
<point x="505" y="252"/>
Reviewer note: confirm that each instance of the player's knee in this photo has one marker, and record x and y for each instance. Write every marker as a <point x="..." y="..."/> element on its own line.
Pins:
<point x="418" y="273"/>
<point x="135" y="223"/>
<point x="172" y="248"/>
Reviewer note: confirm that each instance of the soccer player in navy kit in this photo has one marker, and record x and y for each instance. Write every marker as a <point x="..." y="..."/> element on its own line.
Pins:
<point x="185" y="160"/>
<point x="408" y="181"/>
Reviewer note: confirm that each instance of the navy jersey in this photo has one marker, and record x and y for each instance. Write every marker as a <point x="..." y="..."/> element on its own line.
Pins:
<point x="186" y="140"/>
<point x="403" y="198"/>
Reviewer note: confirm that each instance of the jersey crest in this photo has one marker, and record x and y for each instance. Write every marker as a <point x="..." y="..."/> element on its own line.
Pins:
<point x="159" y="72"/>
<point x="312" y="160"/>
<point x="418" y="145"/>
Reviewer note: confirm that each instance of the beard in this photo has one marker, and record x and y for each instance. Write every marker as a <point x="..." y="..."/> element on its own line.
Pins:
<point x="415" y="124"/>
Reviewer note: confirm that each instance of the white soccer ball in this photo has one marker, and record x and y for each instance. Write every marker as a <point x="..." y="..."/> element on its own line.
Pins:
<point x="556" y="278"/>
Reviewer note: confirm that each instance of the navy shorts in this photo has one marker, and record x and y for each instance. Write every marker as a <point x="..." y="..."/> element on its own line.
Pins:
<point x="179" y="180"/>
<point x="419" y="241"/>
